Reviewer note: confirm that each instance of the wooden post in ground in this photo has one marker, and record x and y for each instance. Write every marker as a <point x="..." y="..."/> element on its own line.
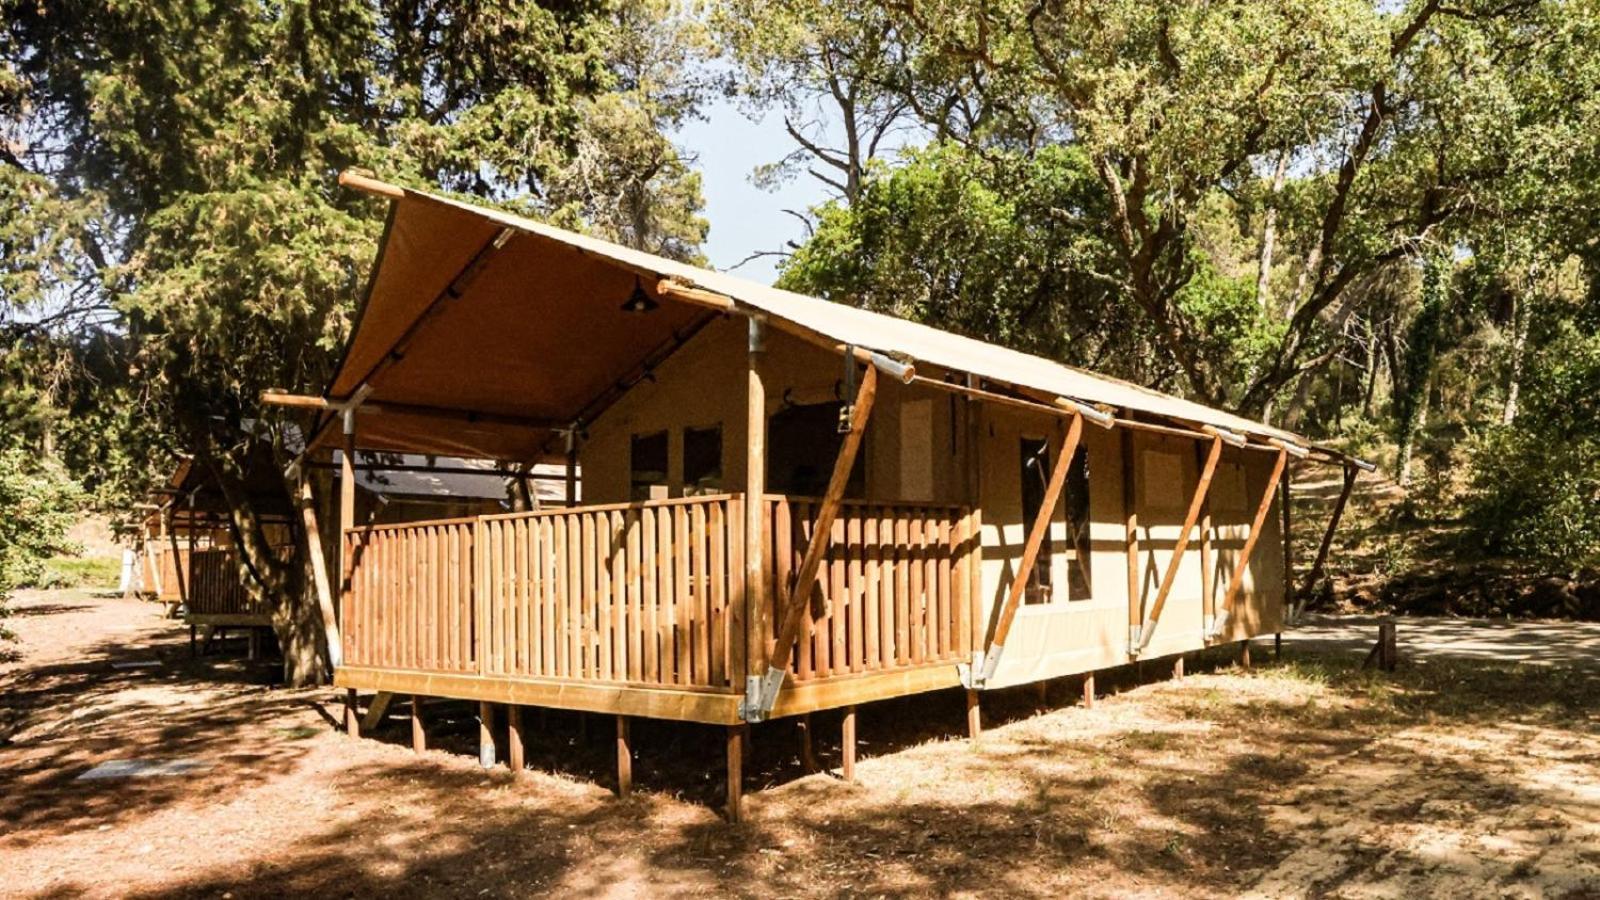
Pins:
<point x="1130" y="538"/>
<point x="624" y="759"/>
<point x="1244" y="654"/>
<point x="1041" y="693"/>
<point x="736" y="773"/>
<point x="848" y="765"/>
<point x="419" y="729"/>
<point x="754" y="614"/>
<point x="1177" y="668"/>
<point x="486" y="734"/>
<point x="974" y="716"/>
<point x="808" y="753"/>
<point x="1088" y="690"/>
<point x="516" y="747"/>
<point x="352" y="721"/>
<point x="1277" y="646"/>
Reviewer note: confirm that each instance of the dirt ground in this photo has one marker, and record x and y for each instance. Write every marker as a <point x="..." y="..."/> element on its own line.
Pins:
<point x="1456" y="777"/>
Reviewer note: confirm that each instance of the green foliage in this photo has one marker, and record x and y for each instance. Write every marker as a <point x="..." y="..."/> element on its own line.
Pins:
<point x="1003" y="247"/>
<point x="38" y="503"/>
<point x="1536" y="483"/>
<point x="102" y="572"/>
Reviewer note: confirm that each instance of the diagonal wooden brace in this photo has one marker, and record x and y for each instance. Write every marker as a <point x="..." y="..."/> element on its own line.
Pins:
<point x="1037" y="533"/>
<point x="1243" y="562"/>
<point x="1315" y="574"/>
<point x="761" y="697"/>
<point x="1196" y="503"/>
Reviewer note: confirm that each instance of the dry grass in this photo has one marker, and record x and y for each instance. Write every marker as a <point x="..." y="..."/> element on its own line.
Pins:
<point x="1307" y="778"/>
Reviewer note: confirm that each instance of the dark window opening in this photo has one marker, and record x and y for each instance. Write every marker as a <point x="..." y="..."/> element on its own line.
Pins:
<point x="647" y="463"/>
<point x="1035" y="479"/>
<point x="702" y="460"/>
<point x="1035" y="476"/>
<point x="802" y="443"/>
<point x="1078" y="581"/>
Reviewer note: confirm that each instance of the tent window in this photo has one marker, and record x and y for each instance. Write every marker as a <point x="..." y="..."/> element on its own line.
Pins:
<point x="648" y="466"/>
<point x="1035" y="475"/>
<point x="802" y="442"/>
<point x="702" y="460"/>
<point x="1078" y="567"/>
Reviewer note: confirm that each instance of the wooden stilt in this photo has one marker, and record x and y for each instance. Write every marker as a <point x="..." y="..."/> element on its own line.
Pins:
<point x="624" y="759"/>
<point x="1177" y="668"/>
<point x="974" y="716"/>
<point x="193" y="647"/>
<point x="419" y="729"/>
<point x="736" y="773"/>
<point x="1244" y="654"/>
<point x="516" y="748"/>
<point x="486" y="735"/>
<point x="1277" y="646"/>
<point x="848" y="765"/>
<point x="1041" y="693"/>
<point x="808" y="753"/>
<point x="352" y="721"/>
<point x="1088" y="691"/>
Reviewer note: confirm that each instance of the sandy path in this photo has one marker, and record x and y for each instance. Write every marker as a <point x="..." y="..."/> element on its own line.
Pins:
<point x="1292" y="781"/>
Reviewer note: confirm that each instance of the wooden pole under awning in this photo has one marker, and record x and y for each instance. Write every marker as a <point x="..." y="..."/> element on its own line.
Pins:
<point x="1038" y="533"/>
<point x="1242" y="564"/>
<point x="792" y="616"/>
<point x="1196" y="503"/>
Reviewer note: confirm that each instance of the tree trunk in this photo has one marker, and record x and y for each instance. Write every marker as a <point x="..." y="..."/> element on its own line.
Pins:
<point x="297" y="623"/>
<point x="1269" y="235"/>
<point x="1519" y="341"/>
<point x="1372" y="371"/>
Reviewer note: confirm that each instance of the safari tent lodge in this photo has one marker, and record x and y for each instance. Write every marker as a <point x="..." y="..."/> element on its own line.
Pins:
<point x="773" y="504"/>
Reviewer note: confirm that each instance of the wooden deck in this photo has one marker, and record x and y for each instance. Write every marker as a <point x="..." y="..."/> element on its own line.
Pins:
<point x="642" y="608"/>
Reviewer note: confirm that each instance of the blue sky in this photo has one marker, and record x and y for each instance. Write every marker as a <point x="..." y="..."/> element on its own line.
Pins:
<point x="745" y="218"/>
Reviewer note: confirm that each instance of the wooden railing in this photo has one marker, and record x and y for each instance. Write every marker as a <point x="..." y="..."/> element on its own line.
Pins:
<point x="409" y="601"/>
<point x="637" y="593"/>
<point x="214" y="584"/>
<point x="653" y="593"/>
<point x="895" y="590"/>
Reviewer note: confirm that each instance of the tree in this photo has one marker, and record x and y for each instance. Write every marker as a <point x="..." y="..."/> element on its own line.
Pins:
<point x="1339" y="138"/>
<point x="179" y="162"/>
<point x="38" y="503"/>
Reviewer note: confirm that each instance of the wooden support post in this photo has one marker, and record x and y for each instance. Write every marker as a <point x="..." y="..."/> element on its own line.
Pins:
<point x="624" y="759"/>
<point x="319" y="569"/>
<point x="486" y="734"/>
<point x="193" y="649"/>
<point x="1327" y="536"/>
<point x="754" y="613"/>
<point x="516" y="745"/>
<point x="1208" y="587"/>
<point x="847" y="766"/>
<point x="1277" y="646"/>
<point x="419" y="728"/>
<point x="1196" y="503"/>
<point x="798" y="603"/>
<point x="1242" y="564"/>
<point x="1177" y="668"/>
<point x="1041" y="693"/>
<point x="1088" y="690"/>
<point x="808" y="753"/>
<point x="1244" y="654"/>
<point x="572" y="469"/>
<point x="376" y="711"/>
<point x="1130" y="538"/>
<point x="735" y="795"/>
<point x="1038" y="533"/>
<point x="974" y="716"/>
<point x="347" y="500"/>
<point x="352" y="718"/>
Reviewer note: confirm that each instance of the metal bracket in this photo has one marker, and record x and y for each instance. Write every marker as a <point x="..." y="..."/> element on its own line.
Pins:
<point x="760" y="694"/>
<point x="1135" y="645"/>
<point x="990" y="662"/>
<point x="1220" y="625"/>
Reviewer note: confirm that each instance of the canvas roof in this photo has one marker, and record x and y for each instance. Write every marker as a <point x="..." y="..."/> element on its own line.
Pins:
<point x="535" y="331"/>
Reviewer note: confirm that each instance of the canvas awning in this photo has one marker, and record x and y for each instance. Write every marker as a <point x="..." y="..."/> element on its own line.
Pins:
<point x="484" y="333"/>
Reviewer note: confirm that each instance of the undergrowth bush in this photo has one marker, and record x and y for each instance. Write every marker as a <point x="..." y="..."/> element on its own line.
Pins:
<point x="38" y="503"/>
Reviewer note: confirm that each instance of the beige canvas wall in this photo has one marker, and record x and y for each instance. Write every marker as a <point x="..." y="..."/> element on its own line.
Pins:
<point x="926" y="445"/>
